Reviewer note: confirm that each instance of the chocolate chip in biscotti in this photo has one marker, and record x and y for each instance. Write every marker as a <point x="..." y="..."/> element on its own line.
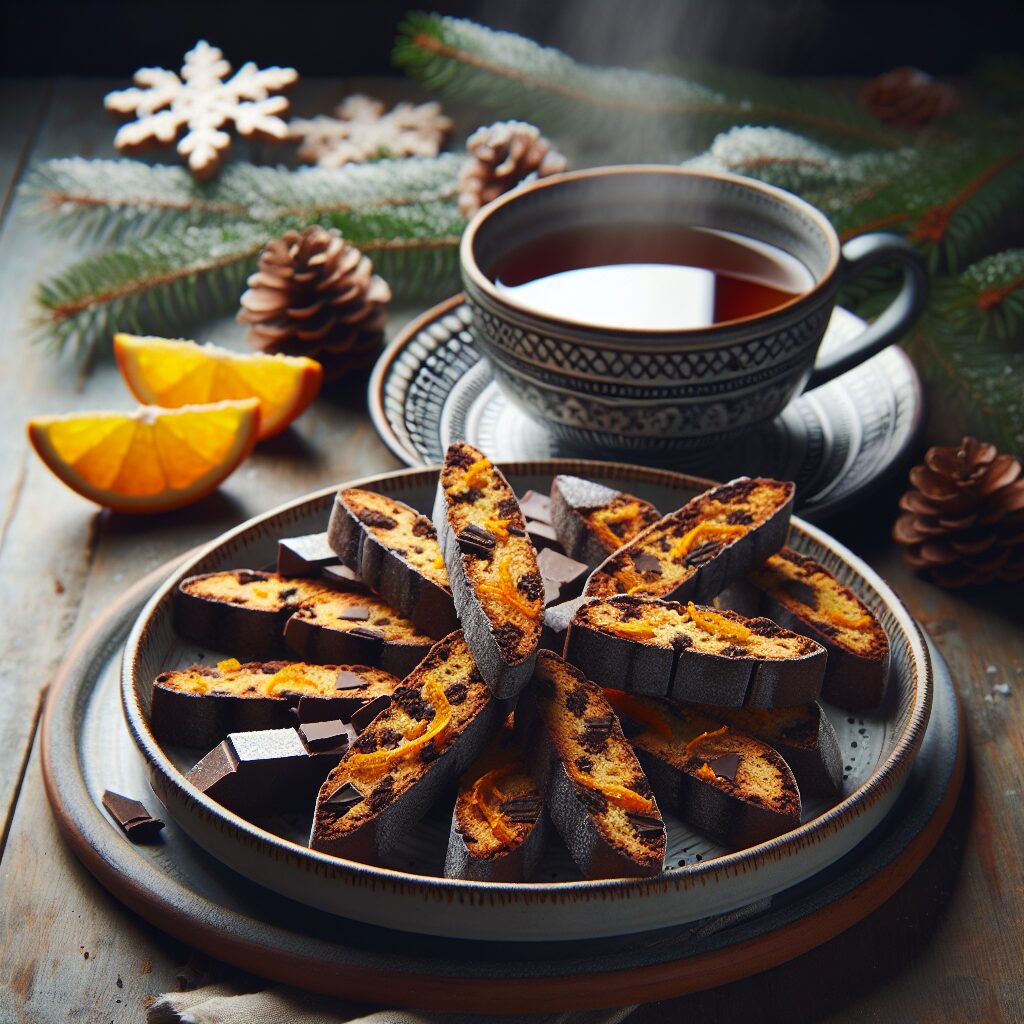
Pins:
<point x="475" y="540"/>
<point x="373" y="517"/>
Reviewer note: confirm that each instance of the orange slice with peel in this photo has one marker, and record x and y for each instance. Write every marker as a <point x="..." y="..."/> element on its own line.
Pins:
<point x="159" y="371"/>
<point x="150" y="460"/>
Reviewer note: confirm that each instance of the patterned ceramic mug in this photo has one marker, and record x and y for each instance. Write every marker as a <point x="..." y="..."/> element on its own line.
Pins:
<point x="642" y="389"/>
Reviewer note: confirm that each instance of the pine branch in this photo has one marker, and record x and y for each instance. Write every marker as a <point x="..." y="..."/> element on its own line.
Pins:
<point x="108" y="200"/>
<point x="661" y="115"/>
<point x="177" y="278"/>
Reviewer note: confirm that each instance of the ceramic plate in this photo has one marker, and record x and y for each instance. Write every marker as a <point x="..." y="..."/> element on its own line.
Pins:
<point x="406" y="892"/>
<point x="432" y="386"/>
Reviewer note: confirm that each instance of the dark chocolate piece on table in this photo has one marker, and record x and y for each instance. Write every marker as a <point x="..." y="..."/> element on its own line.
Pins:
<point x="536" y="506"/>
<point x="135" y="821"/>
<point x="345" y="577"/>
<point x="368" y="712"/>
<point x="304" y="556"/>
<point x="323" y="737"/>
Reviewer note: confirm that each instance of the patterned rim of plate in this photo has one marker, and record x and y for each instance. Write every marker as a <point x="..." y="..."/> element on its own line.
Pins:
<point x="385" y="895"/>
<point x="431" y="385"/>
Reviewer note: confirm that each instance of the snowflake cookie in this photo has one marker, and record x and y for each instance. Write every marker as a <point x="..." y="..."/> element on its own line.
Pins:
<point x="202" y="101"/>
<point x="361" y="130"/>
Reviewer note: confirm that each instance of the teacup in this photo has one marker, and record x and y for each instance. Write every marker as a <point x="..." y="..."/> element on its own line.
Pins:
<point x="632" y="388"/>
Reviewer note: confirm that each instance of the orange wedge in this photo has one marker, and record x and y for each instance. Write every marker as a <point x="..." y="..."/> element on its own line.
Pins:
<point x="175" y="373"/>
<point x="151" y="460"/>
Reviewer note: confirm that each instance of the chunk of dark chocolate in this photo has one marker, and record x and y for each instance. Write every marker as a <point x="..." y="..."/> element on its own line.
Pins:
<point x="304" y="556"/>
<point x="542" y="535"/>
<point x="355" y="613"/>
<point x="324" y="737"/>
<point x="133" y="818"/>
<point x="344" y="798"/>
<point x="564" y="577"/>
<point x="536" y="506"/>
<point x="343" y="576"/>
<point x="368" y="712"/>
<point x="644" y="561"/>
<point x="475" y="540"/>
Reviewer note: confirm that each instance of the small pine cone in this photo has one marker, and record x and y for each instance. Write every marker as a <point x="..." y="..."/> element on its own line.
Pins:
<point x="963" y="518"/>
<point x="504" y="154"/>
<point x="316" y="295"/>
<point x="907" y="98"/>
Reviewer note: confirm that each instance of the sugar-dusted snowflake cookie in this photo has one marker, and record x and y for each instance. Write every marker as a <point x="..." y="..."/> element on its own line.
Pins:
<point x="202" y="100"/>
<point x="361" y="130"/>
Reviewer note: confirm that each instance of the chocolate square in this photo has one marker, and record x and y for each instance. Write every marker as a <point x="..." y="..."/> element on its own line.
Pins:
<point x="563" y="576"/>
<point x="304" y="556"/>
<point x="536" y="506"/>
<point x="542" y="535"/>
<point x="369" y="711"/>
<point x="321" y="737"/>
<point x="133" y="818"/>
<point x="355" y="613"/>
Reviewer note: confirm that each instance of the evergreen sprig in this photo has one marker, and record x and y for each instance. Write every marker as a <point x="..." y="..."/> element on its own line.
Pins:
<point x="663" y="116"/>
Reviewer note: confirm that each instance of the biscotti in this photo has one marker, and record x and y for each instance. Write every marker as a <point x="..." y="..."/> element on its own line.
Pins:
<point x="355" y="628"/>
<point x="240" y="610"/>
<point x="693" y="553"/>
<point x="803" y="595"/>
<point x="394" y="550"/>
<point x="498" y="823"/>
<point x="727" y="784"/>
<point x="492" y="567"/>
<point x="802" y="735"/>
<point x="438" y="722"/>
<point x="594" y="789"/>
<point x="694" y="653"/>
<point x="200" y="705"/>
<point x="592" y="520"/>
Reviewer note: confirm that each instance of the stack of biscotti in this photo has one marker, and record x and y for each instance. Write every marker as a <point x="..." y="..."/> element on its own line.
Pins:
<point x="726" y="783"/>
<point x="498" y="822"/>
<point x="394" y="550"/>
<point x="594" y="788"/>
<point x="592" y="521"/>
<point x="694" y="653"/>
<point x="492" y="566"/>
<point x="198" y="706"/>
<point x="801" y="594"/>
<point x="438" y="722"/>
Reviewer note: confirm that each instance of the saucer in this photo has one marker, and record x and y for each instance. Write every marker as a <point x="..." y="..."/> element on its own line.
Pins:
<point x="432" y="386"/>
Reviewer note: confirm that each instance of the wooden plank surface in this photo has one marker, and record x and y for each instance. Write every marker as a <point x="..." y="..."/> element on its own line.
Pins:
<point x="949" y="946"/>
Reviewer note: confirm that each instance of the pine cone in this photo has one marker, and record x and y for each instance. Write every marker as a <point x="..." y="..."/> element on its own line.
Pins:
<point x="504" y="154"/>
<point x="907" y="98"/>
<point x="963" y="518"/>
<point x="316" y="295"/>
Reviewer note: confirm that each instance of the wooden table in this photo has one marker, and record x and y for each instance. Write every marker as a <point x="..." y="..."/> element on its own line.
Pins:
<point x="949" y="945"/>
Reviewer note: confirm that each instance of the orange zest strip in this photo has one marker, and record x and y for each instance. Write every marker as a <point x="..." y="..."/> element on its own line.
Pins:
<point x="844" y="621"/>
<point x="499" y="527"/>
<point x="367" y="765"/>
<point x="604" y="517"/>
<point x="476" y="470"/>
<point x="622" y="797"/>
<point x="507" y="592"/>
<point x="485" y="797"/>
<point x="641" y="711"/>
<point x="698" y="740"/>
<point x="702" y="533"/>
<point x="630" y="579"/>
<point x="630" y="630"/>
<point x="716" y="624"/>
<point x="291" y="677"/>
<point x="416" y="730"/>
<point x="705" y="771"/>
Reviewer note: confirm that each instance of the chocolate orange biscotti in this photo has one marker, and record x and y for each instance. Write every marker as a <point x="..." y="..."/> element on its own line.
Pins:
<point x="803" y="595"/>
<point x="592" y="520"/>
<point x="199" y="706"/>
<point x="498" y="821"/>
<point x="240" y="610"/>
<point x="694" y="653"/>
<point x="695" y="552"/>
<point x="730" y="785"/>
<point x="492" y="566"/>
<point x="394" y="550"/>
<point x="802" y="735"/>
<point x="336" y="626"/>
<point x="594" y="789"/>
<point x="439" y="720"/>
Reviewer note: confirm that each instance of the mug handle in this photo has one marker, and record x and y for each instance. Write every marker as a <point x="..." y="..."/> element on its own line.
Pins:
<point x="860" y="254"/>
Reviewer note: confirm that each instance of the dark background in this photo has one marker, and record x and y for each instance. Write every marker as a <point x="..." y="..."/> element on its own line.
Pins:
<point x="837" y="37"/>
